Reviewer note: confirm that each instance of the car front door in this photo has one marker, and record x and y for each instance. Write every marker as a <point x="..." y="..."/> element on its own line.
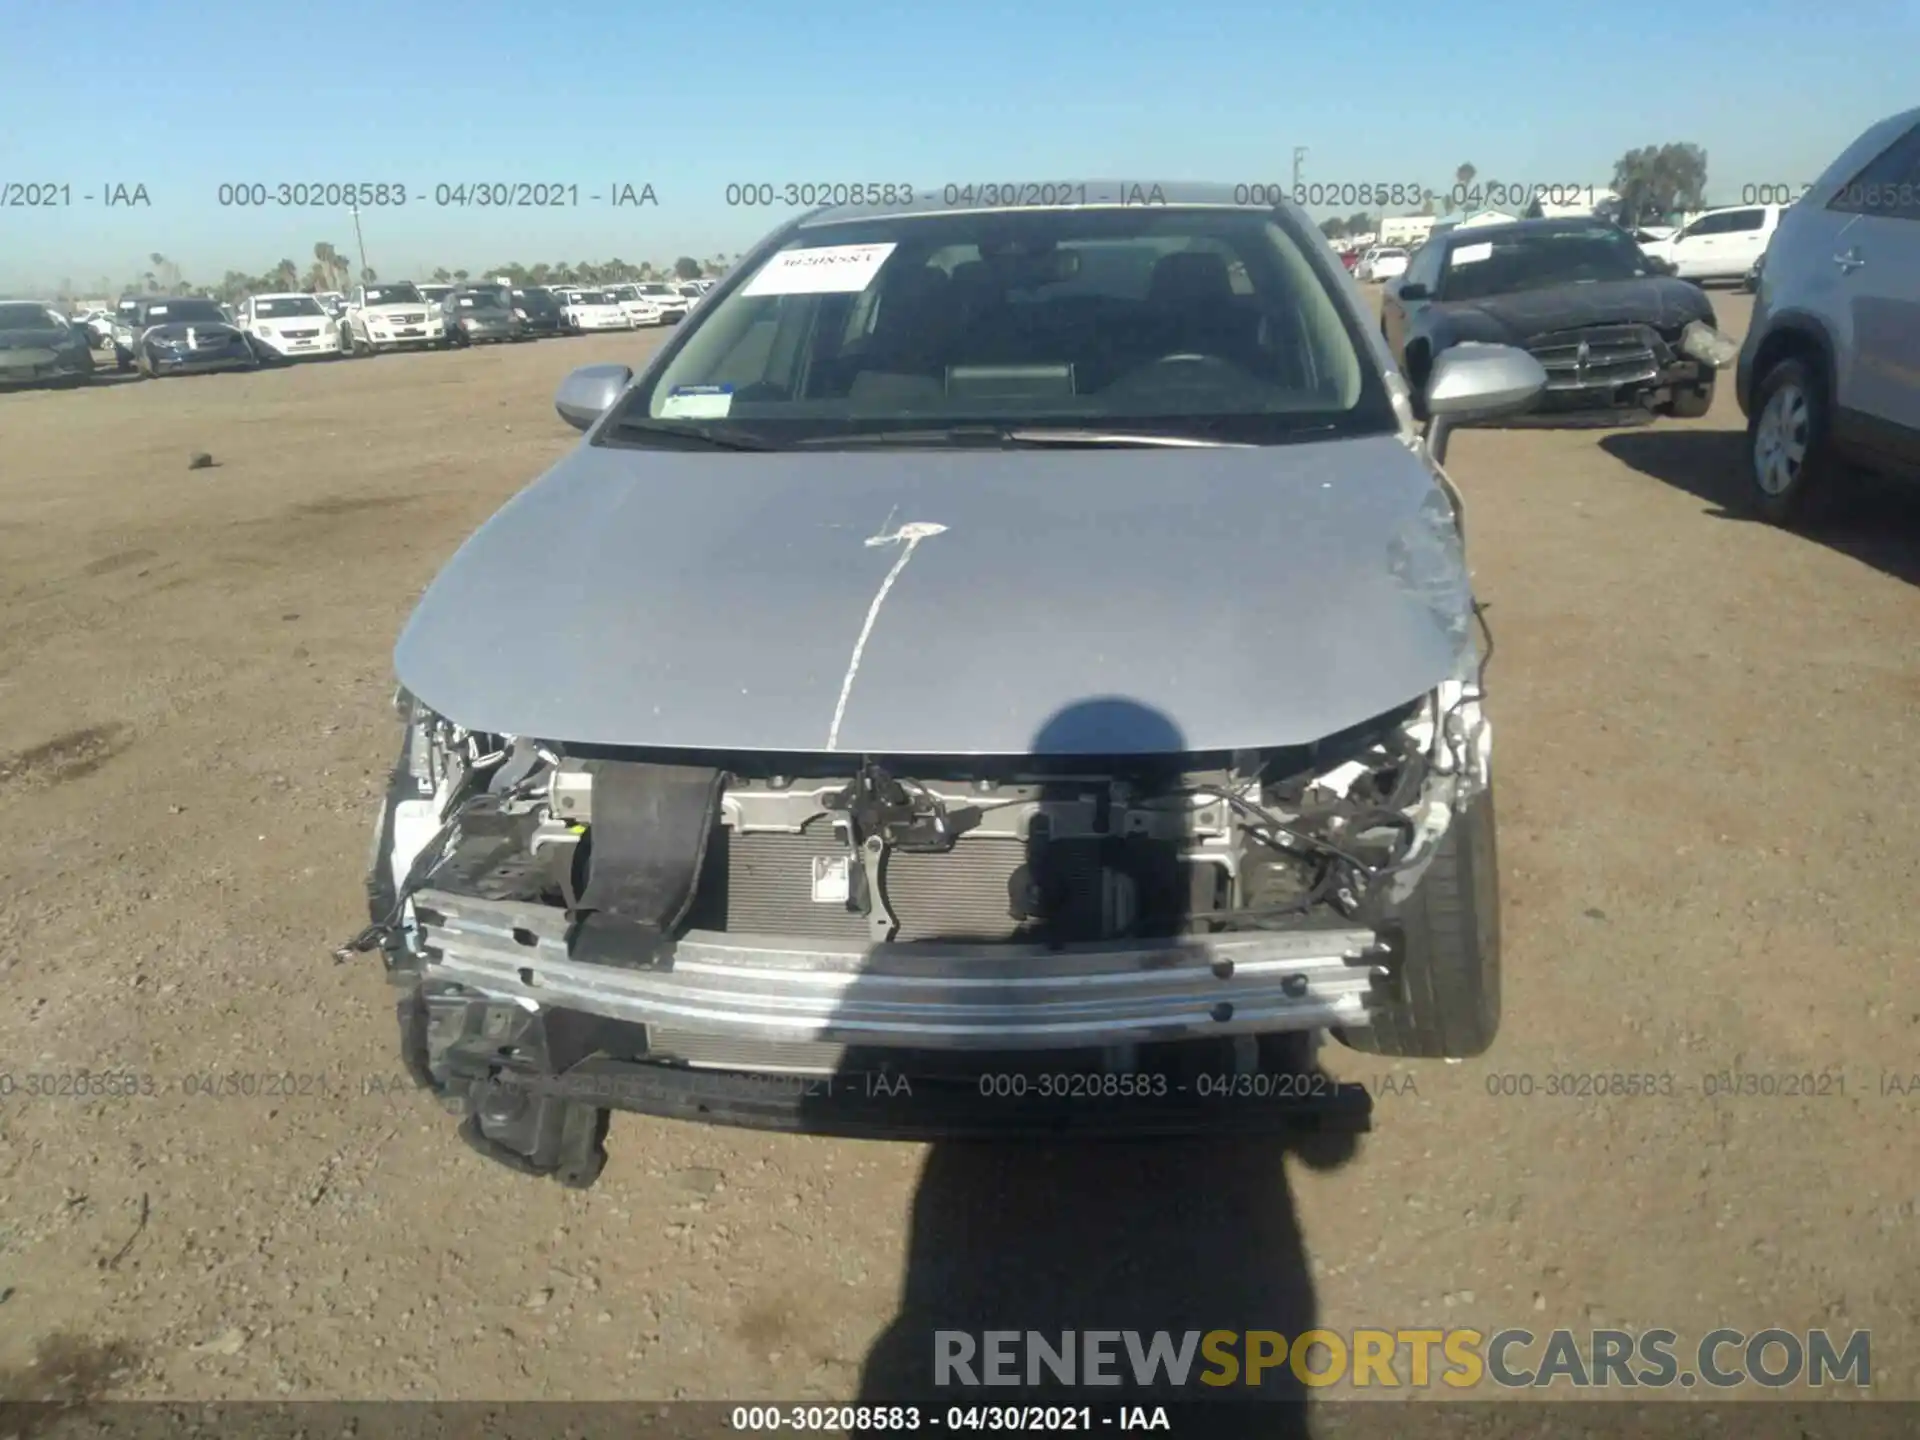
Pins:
<point x="1876" y="254"/>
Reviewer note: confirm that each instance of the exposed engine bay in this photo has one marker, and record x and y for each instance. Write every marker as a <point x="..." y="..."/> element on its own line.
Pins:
<point x="573" y="928"/>
<point x="980" y="851"/>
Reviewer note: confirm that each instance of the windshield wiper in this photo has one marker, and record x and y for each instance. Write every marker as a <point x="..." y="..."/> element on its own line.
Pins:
<point x="1122" y="437"/>
<point x="1014" y="435"/>
<point x="723" y="440"/>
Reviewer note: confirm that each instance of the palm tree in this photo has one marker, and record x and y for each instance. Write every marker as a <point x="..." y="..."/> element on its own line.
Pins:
<point x="368" y="275"/>
<point x="442" y="277"/>
<point x="1463" y="186"/>
<point x="460" y="277"/>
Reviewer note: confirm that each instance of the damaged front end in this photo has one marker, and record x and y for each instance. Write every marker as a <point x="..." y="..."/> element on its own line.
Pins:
<point x="731" y="936"/>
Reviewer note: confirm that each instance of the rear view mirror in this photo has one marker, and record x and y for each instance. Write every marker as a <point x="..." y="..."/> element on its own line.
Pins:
<point x="1471" y="383"/>
<point x="589" y="392"/>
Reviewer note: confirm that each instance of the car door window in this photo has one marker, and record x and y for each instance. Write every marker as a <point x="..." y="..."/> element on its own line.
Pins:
<point x="1706" y="226"/>
<point x="1888" y="186"/>
<point x="1424" y="267"/>
<point x="1744" y="220"/>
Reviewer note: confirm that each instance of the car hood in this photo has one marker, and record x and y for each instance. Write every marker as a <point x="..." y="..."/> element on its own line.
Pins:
<point x="176" y="328"/>
<point x="948" y="602"/>
<point x="36" y="337"/>
<point x="1660" y="301"/>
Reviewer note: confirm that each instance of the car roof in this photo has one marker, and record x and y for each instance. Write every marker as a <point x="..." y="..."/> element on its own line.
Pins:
<point x="1168" y="194"/>
<point x="283" y="295"/>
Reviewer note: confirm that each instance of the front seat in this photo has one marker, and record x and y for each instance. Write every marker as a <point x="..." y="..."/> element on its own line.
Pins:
<point x="903" y="361"/>
<point x="1194" y="293"/>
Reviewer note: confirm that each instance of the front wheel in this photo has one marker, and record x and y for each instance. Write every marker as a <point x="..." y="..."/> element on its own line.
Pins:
<point x="1790" y="462"/>
<point x="1443" y="999"/>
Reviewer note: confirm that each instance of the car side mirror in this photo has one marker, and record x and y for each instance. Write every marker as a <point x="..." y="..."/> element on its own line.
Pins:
<point x="1473" y="382"/>
<point x="1413" y="291"/>
<point x="589" y="392"/>
<point x="1663" y="266"/>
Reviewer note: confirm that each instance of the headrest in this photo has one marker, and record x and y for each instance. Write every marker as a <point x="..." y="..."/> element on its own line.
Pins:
<point x="1191" y="277"/>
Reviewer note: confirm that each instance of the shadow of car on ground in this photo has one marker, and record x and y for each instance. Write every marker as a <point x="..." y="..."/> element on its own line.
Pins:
<point x="1875" y="520"/>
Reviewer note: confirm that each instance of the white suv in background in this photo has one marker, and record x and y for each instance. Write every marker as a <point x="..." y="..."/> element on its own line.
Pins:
<point x="388" y="317"/>
<point x="292" y="326"/>
<point x="640" y="309"/>
<point x="1722" y="244"/>
<point x="593" y="309"/>
<point x="673" y="306"/>
<point x="1383" y="262"/>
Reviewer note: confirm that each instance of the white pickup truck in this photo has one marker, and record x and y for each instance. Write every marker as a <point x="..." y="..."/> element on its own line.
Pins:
<point x="388" y="317"/>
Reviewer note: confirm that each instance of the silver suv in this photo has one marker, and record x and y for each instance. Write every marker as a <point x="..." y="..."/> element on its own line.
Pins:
<point x="1829" y="376"/>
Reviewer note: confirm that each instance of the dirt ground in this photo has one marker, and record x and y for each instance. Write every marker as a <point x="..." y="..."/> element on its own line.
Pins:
<point x="1702" y="724"/>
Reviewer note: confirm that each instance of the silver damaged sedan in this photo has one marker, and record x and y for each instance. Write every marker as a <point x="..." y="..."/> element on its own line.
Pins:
<point x="995" y="671"/>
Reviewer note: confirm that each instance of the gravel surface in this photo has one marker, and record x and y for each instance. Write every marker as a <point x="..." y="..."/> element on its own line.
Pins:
<point x="1704" y="834"/>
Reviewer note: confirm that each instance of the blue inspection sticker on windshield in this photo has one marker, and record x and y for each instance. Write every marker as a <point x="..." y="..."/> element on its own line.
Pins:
<point x="698" y="402"/>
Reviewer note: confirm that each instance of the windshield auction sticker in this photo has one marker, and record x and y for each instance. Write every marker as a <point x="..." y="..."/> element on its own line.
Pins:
<point x="698" y="402"/>
<point x="825" y="270"/>
<point x="1469" y="254"/>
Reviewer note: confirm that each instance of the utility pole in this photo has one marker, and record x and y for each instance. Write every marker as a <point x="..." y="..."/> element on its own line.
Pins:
<point x="359" y="243"/>
<point x="1299" y="158"/>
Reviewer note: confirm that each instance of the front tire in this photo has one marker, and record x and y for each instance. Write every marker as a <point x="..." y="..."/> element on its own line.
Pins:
<point x="1790" y="460"/>
<point x="1444" y="998"/>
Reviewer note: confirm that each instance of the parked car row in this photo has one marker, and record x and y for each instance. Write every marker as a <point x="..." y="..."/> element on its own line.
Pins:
<point x="178" y="334"/>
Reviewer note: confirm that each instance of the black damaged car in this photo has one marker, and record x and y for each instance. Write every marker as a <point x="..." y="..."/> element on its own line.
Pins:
<point x="1614" y="329"/>
<point x="178" y="335"/>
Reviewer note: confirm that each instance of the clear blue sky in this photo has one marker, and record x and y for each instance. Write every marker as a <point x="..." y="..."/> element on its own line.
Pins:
<point x="181" y="97"/>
